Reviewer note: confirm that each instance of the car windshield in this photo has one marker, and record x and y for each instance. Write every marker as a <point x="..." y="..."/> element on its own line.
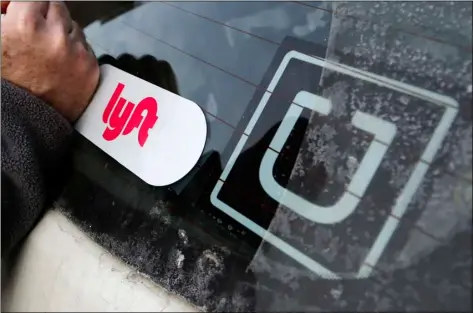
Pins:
<point x="337" y="169"/>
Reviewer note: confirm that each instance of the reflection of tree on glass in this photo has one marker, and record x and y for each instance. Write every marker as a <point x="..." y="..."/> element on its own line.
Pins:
<point x="147" y="67"/>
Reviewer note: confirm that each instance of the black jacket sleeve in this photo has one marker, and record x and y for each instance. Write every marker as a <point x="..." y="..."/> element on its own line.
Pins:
<point x="35" y="140"/>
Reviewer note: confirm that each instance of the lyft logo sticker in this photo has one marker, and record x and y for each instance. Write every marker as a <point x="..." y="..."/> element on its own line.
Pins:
<point x="154" y="133"/>
<point x="123" y="116"/>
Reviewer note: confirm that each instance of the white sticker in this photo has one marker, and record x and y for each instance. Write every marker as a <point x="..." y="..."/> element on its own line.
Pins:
<point x="154" y="133"/>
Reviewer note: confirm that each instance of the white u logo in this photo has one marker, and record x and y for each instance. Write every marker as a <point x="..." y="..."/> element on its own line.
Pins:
<point x="384" y="133"/>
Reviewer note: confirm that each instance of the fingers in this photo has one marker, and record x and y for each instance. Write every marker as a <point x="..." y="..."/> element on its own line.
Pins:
<point x="30" y="10"/>
<point x="29" y="16"/>
<point x="58" y="16"/>
<point x="78" y="39"/>
<point x="77" y="34"/>
<point x="79" y="42"/>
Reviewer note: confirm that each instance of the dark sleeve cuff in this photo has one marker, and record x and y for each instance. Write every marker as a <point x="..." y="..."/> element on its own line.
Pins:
<point x="35" y="140"/>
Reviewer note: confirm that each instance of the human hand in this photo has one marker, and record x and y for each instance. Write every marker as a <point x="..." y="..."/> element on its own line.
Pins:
<point x="45" y="52"/>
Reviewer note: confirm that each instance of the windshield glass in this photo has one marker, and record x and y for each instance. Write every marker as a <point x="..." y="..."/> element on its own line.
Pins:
<point x="337" y="169"/>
